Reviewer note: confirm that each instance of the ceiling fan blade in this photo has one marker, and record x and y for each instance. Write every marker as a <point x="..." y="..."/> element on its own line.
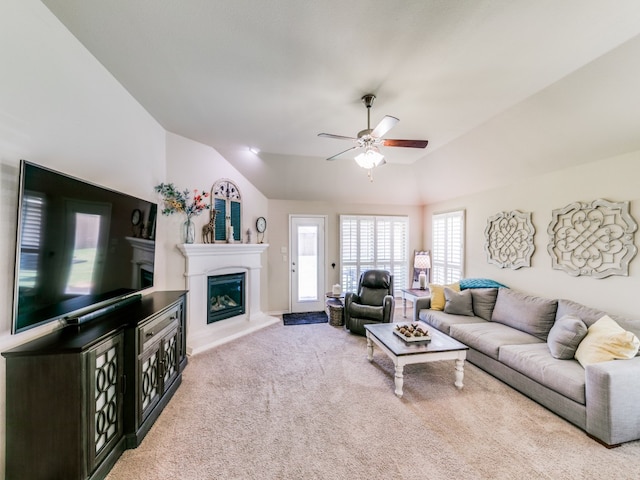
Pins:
<point x="338" y="154"/>
<point x="339" y="137"/>
<point x="386" y="124"/>
<point x="405" y="143"/>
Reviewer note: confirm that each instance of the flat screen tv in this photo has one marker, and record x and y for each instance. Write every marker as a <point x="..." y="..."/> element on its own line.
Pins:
<point x="79" y="248"/>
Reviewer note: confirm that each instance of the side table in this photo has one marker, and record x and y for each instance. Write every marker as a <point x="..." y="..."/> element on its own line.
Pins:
<point x="411" y="294"/>
<point x="335" y="309"/>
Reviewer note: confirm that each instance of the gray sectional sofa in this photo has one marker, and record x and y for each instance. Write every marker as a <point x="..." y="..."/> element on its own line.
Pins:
<point x="507" y="333"/>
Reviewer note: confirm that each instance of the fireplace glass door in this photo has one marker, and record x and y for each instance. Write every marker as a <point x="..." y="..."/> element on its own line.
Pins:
<point x="226" y="296"/>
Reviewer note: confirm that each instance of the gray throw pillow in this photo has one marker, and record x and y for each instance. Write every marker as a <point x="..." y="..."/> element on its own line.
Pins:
<point x="565" y="336"/>
<point x="484" y="299"/>
<point x="458" y="303"/>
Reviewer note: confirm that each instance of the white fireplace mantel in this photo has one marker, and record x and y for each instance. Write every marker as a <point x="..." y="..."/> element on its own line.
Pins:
<point x="208" y="259"/>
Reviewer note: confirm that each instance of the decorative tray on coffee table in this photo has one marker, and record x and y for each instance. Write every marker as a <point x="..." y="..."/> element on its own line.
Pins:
<point x="412" y="332"/>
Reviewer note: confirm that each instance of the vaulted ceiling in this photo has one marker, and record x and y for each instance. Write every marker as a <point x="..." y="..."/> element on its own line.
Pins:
<point x="502" y="89"/>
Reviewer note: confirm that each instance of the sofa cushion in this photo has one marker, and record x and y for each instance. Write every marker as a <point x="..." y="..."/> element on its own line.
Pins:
<point x="588" y="315"/>
<point x="484" y="300"/>
<point x="591" y="315"/>
<point x="534" y="315"/>
<point x="566" y="377"/>
<point x="488" y="337"/>
<point x="442" y="321"/>
<point x="565" y="336"/>
<point x="628" y="324"/>
<point x="458" y="303"/>
<point x="606" y="340"/>
<point x="437" y="294"/>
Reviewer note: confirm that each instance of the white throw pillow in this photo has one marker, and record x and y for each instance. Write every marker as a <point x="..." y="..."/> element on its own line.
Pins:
<point x="606" y="340"/>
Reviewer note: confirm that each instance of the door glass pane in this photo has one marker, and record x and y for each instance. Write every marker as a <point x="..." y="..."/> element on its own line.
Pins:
<point x="307" y="263"/>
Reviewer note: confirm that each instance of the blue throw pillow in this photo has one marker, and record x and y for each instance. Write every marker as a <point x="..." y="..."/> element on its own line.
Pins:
<point x="479" y="283"/>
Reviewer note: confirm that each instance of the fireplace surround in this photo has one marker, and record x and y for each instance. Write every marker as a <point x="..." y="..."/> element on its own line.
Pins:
<point x="203" y="260"/>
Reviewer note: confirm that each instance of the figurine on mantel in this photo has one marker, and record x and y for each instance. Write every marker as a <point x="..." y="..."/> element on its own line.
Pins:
<point x="248" y="235"/>
<point x="209" y="230"/>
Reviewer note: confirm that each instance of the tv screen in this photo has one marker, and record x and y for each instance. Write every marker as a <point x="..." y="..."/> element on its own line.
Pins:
<point x="79" y="247"/>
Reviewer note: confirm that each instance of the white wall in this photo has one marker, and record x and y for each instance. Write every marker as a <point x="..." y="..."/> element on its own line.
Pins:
<point x="277" y="235"/>
<point x="60" y="108"/>
<point x="613" y="179"/>
<point x="194" y="165"/>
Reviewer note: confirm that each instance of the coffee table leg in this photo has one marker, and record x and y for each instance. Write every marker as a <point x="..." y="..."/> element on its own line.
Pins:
<point x="399" y="379"/>
<point x="459" y="373"/>
<point x="369" y="348"/>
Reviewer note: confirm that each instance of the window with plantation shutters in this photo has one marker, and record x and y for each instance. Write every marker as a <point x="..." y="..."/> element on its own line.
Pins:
<point x="373" y="242"/>
<point x="447" y="253"/>
<point x="32" y="218"/>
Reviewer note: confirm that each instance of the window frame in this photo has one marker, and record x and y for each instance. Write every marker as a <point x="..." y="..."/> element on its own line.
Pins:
<point x="397" y="262"/>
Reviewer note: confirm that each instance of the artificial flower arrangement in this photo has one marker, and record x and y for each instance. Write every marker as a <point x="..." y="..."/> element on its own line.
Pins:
<point x="178" y="200"/>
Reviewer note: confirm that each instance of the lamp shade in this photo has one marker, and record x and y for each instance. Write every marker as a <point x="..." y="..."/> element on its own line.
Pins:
<point x="422" y="262"/>
<point x="370" y="158"/>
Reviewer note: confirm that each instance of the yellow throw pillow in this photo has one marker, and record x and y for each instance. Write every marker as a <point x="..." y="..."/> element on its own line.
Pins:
<point x="606" y="340"/>
<point x="437" y="294"/>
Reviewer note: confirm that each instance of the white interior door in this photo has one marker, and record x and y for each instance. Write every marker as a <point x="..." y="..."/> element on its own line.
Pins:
<point x="307" y="241"/>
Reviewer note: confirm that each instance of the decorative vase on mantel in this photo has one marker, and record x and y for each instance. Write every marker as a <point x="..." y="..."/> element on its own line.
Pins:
<point x="188" y="231"/>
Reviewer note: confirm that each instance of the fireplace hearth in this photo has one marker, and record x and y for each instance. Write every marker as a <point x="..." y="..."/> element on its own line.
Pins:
<point x="226" y="296"/>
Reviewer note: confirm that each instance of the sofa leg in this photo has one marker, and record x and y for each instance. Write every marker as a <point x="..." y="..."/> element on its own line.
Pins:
<point x="616" y="445"/>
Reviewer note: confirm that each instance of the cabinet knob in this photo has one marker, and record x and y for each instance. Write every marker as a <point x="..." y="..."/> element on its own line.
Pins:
<point x="150" y="334"/>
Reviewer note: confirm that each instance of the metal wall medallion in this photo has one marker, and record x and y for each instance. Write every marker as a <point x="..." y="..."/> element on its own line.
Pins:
<point x="509" y="239"/>
<point x="594" y="239"/>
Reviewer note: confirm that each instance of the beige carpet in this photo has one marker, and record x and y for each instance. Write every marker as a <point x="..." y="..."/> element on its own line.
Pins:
<point x="303" y="402"/>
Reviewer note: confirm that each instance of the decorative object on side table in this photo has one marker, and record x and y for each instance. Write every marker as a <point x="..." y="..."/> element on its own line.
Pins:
<point x="421" y="262"/>
<point x="335" y="306"/>
<point x="179" y="201"/>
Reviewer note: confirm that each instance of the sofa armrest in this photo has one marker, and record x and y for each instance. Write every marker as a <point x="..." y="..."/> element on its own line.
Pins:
<point x="389" y="304"/>
<point x="420" y="304"/>
<point x="612" y="391"/>
<point x="349" y="298"/>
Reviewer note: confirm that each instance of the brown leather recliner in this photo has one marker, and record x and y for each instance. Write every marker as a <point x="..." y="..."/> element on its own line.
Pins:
<point x="372" y="303"/>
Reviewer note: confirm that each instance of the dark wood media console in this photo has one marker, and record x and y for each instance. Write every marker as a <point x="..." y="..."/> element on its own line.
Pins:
<point x="79" y="396"/>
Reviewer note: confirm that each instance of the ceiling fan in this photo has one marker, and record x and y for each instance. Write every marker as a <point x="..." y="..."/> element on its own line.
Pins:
<point x="371" y="139"/>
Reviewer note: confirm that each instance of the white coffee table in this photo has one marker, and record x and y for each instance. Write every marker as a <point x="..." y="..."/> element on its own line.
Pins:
<point x="440" y="347"/>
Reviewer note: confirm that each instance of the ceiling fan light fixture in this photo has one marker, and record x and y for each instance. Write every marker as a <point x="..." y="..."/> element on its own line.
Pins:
<point x="370" y="158"/>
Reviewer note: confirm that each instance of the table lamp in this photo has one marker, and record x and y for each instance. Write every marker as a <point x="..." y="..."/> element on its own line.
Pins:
<point x="422" y="262"/>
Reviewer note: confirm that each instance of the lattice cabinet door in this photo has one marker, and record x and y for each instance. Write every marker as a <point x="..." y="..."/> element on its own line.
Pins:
<point x="105" y="419"/>
<point x="149" y="384"/>
<point x="170" y="357"/>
